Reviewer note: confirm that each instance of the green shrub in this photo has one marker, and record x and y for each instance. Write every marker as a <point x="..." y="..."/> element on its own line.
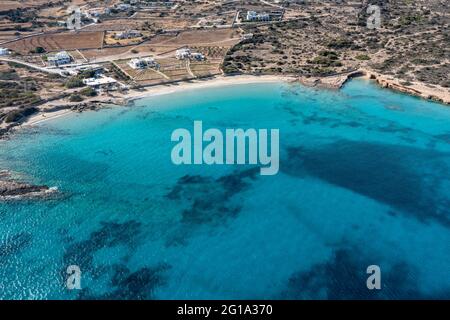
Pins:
<point x="38" y="50"/>
<point x="17" y="115"/>
<point x="9" y="75"/>
<point x="88" y="92"/>
<point x="86" y="74"/>
<point x="75" y="98"/>
<point x="362" y="57"/>
<point x="74" y="82"/>
<point x="340" y="43"/>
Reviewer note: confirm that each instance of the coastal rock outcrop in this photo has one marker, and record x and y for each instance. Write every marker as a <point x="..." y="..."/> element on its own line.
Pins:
<point x="11" y="189"/>
<point x="414" y="89"/>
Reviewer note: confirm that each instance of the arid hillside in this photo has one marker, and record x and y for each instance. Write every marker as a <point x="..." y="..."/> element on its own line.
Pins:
<point x="411" y="44"/>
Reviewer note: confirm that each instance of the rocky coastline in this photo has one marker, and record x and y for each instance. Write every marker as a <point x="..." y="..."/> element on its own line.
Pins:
<point x="415" y="89"/>
<point x="49" y="110"/>
<point x="13" y="189"/>
<point x="418" y="90"/>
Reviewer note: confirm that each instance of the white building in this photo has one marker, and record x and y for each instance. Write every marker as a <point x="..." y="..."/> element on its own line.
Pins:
<point x="197" y="56"/>
<point x="143" y="63"/>
<point x="254" y="16"/>
<point x="129" y="34"/>
<point x="95" y="68"/>
<point x="184" y="53"/>
<point x="59" y="59"/>
<point x="96" y="12"/>
<point x="4" y="52"/>
<point x="123" y="7"/>
<point x="102" y="82"/>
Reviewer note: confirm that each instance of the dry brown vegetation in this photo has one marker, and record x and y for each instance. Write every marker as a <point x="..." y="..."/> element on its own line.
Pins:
<point x="59" y="41"/>
<point x="22" y="88"/>
<point x="326" y="39"/>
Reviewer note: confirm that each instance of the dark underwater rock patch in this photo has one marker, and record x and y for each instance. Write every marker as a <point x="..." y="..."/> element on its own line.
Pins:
<point x="208" y="198"/>
<point x="127" y="285"/>
<point x="344" y="277"/>
<point x="84" y="172"/>
<point x="15" y="244"/>
<point x="443" y="137"/>
<point x="108" y="235"/>
<point x="390" y="174"/>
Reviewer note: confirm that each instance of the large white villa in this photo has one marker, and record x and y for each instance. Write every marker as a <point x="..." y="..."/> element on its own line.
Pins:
<point x="143" y="63"/>
<point x="4" y="52"/>
<point x="254" y="16"/>
<point x="59" y="59"/>
<point x="186" y="53"/>
<point x="182" y="54"/>
<point x="100" y="82"/>
<point x="128" y="34"/>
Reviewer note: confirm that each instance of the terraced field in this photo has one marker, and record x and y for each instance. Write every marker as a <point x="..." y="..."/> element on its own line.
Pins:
<point x="206" y="68"/>
<point x="59" y="41"/>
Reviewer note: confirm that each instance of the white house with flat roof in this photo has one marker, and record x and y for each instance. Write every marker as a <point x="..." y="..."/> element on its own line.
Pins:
<point x="186" y="53"/>
<point x="100" y="82"/>
<point x="59" y="59"/>
<point x="182" y="54"/>
<point x="4" y="52"/>
<point x="197" y="56"/>
<point x="143" y="63"/>
<point x="123" y="6"/>
<point x="254" y="16"/>
<point x="128" y="34"/>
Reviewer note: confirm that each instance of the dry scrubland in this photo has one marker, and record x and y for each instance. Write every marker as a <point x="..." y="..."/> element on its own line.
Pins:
<point x="21" y="89"/>
<point x="412" y="44"/>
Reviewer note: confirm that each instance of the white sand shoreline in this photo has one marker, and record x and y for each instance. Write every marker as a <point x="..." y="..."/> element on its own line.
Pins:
<point x="220" y="81"/>
<point x="207" y="83"/>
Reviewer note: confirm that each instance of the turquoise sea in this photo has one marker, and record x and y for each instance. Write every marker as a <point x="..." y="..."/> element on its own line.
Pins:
<point x="364" y="180"/>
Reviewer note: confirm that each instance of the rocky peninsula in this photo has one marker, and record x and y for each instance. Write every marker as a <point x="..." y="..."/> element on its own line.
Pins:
<point x="13" y="189"/>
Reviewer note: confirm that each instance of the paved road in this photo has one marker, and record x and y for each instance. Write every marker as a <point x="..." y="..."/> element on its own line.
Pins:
<point x="31" y="65"/>
<point x="272" y="4"/>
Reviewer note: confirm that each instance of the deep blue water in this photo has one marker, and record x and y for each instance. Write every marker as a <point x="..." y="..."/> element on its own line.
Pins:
<point x="364" y="179"/>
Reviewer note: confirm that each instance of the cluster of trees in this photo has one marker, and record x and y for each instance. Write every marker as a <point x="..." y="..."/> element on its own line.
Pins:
<point x="86" y="92"/>
<point x="19" y="16"/>
<point x="38" y="50"/>
<point x="77" y="81"/>
<point x="327" y="59"/>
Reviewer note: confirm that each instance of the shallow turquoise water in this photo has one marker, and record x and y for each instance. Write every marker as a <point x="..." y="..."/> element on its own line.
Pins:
<point x="364" y="179"/>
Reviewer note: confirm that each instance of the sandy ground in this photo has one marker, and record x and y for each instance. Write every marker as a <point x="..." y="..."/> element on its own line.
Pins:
<point x="44" y="116"/>
<point x="118" y="98"/>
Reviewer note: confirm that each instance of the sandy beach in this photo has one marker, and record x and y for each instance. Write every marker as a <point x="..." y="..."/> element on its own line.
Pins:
<point x="123" y="99"/>
<point x="47" y="110"/>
